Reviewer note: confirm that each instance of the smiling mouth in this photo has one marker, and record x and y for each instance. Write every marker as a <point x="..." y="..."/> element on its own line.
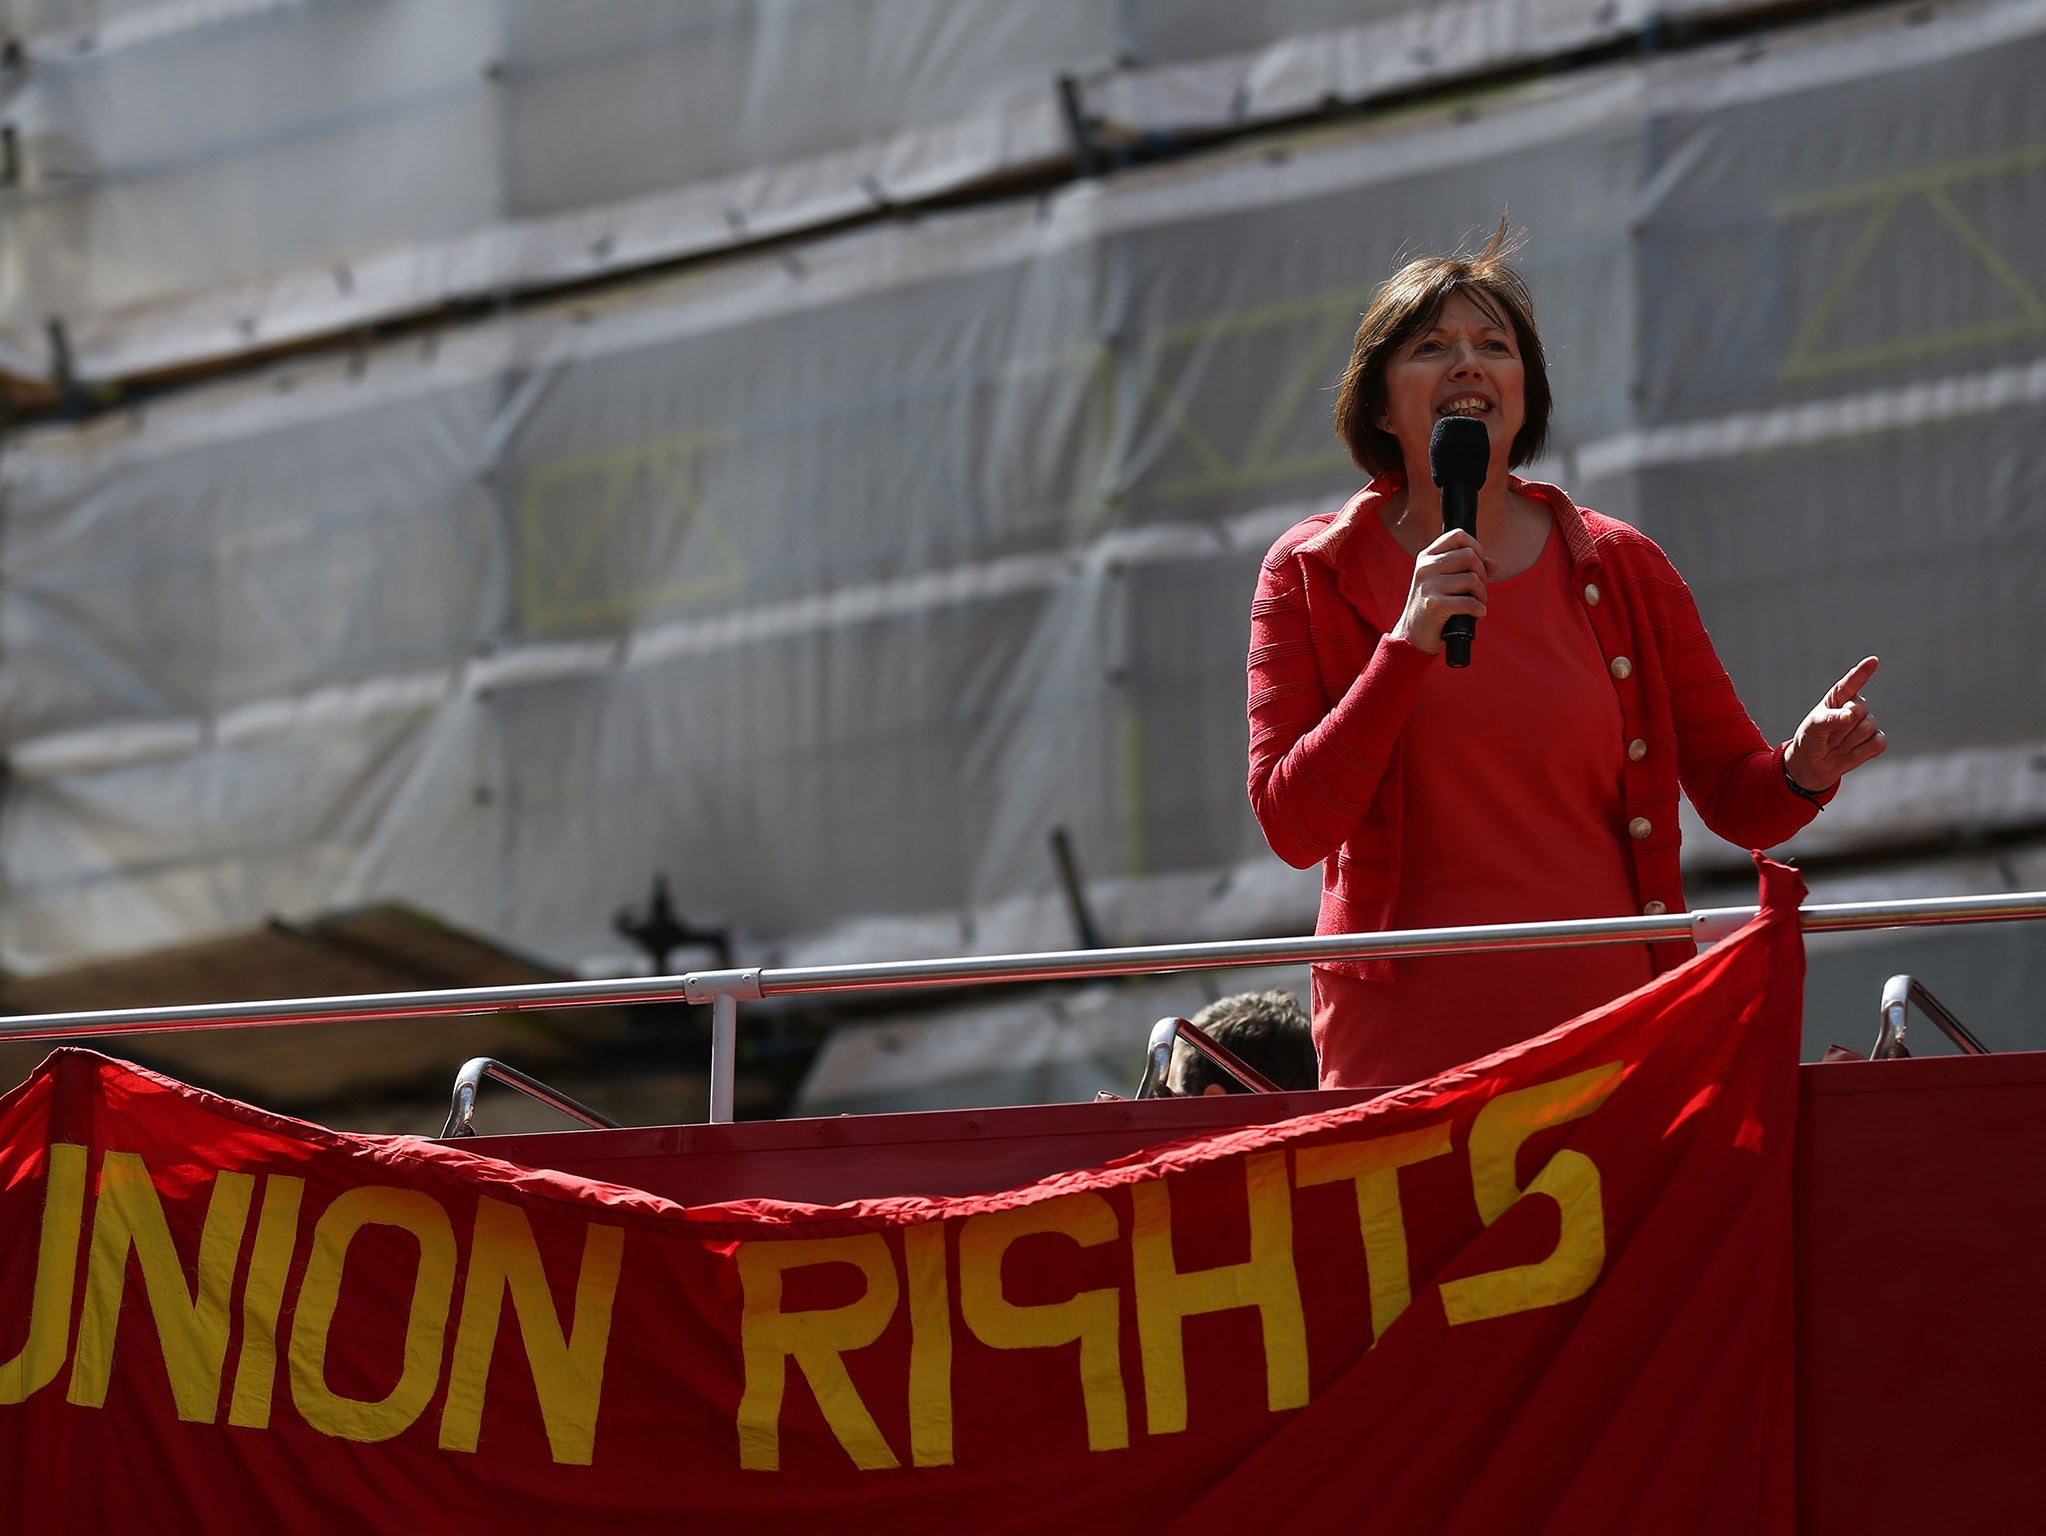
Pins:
<point x="1466" y="405"/>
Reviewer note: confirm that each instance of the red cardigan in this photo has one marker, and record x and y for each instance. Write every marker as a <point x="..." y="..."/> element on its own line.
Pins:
<point x="1329" y="695"/>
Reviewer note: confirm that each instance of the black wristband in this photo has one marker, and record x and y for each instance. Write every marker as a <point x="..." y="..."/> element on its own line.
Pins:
<point x="1816" y="796"/>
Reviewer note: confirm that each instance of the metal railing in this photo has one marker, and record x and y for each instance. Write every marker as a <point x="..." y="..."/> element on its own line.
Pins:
<point x="1167" y="1033"/>
<point x="1899" y="994"/>
<point x="462" y="1111"/>
<point x="724" y="990"/>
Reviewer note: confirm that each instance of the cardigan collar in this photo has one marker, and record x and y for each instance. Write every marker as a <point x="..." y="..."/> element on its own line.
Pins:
<point x="1327" y="545"/>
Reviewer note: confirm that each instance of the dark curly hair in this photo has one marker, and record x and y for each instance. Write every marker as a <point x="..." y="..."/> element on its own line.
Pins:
<point x="1268" y="1031"/>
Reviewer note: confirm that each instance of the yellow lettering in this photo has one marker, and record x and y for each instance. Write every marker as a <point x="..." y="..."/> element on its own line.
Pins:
<point x="49" y="1310"/>
<point x="426" y="1321"/>
<point x="1569" y="1178"/>
<point x="192" y="1328"/>
<point x="930" y="1346"/>
<point x="255" y="1373"/>
<point x="568" y="1374"/>
<point x="1090" y="1317"/>
<point x="1166" y="1297"/>
<point x="1373" y="1167"/>
<point x="816" y="1340"/>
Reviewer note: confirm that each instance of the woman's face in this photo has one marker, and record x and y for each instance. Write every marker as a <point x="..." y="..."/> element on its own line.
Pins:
<point x="1466" y="364"/>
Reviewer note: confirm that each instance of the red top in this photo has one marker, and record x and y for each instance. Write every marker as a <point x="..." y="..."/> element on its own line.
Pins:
<point x="1331" y="692"/>
<point x="1516" y="809"/>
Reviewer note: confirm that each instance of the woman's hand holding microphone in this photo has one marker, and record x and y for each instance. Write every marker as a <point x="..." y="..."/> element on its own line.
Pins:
<point x="1449" y="578"/>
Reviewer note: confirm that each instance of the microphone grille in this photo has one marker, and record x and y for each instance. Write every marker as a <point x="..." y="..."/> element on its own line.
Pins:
<point x="1459" y="451"/>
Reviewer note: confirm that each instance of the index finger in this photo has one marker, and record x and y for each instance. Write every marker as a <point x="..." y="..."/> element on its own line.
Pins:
<point x="1452" y="538"/>
<point x="1852" y="683"/>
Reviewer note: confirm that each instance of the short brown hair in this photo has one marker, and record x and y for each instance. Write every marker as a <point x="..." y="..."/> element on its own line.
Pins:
<point x="1406" y="304"/>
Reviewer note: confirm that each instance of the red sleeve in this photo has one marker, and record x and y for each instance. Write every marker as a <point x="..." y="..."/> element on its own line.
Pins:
<point x="1731" y="774"/>
<point x="1314" y="770"/>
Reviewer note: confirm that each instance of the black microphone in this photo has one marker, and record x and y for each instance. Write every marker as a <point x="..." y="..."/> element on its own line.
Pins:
<point x="1459" y="454"/>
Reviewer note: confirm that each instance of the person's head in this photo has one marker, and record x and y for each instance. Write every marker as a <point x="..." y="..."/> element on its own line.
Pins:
<point x="1446" y="335"/>
<point x="1268" y="1030"/>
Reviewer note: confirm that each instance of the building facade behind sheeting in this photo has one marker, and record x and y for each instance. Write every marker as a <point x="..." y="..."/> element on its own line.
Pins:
<point x="832" y="577"/>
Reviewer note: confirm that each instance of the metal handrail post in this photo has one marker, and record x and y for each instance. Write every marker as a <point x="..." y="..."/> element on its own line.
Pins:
<point x="724" y="1048"/>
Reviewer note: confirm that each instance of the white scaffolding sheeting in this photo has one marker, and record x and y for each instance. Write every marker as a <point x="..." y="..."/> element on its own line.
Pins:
<point x="832" y="579"/>
<point x="195" y="179"/>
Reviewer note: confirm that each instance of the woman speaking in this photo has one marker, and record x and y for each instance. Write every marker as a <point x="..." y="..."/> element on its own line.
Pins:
<point x="1540" y="782"/>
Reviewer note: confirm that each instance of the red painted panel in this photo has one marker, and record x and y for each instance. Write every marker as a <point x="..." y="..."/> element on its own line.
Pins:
<point x="853" y="1157"/>
<point x="1921" y="1230"/>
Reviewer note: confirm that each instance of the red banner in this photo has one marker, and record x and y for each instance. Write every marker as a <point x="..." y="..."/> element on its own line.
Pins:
<point x="1548" y="1292"/>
